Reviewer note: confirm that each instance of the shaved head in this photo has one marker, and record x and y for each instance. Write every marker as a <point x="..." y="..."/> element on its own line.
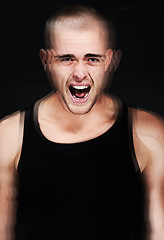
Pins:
<point x="79" y="17"/>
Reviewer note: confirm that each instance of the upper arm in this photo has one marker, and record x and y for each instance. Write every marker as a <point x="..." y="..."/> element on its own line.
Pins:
<point x="11" y="132"/>
<point x="149" y="129"/>
<point x="11" y="135"/>
<point x="148" y="136"/>
<point x="154" y="182"/>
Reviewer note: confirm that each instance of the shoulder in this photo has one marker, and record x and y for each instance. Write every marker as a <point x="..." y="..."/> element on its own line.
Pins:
<point x="11" y="134"/>
<point x="148" y="124"/>
<point x="148" y="134"/>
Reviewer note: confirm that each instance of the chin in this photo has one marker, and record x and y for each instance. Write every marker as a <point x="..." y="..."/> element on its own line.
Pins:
<point x="79" y="106"/>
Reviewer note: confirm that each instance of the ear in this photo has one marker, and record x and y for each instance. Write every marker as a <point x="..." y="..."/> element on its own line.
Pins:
<point x="109" y="56"/>
<point x="116" y="59"/>
<point x="117" y="54"/>
<point x="43" y="57"/>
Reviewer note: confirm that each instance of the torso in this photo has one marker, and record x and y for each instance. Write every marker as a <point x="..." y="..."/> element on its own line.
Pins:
<point x="83" y="182"/>
<point x="146" y="131"/>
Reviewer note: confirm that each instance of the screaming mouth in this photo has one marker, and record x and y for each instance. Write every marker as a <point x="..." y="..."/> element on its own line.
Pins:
<point x="79" y="92"/>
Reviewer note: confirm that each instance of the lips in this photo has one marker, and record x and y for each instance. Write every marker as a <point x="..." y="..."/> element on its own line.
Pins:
<point x="79" y="93"/>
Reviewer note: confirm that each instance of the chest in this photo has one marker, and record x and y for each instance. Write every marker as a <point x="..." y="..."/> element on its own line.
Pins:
<point x="105" y="158"/>
<point x="74" y="133"/>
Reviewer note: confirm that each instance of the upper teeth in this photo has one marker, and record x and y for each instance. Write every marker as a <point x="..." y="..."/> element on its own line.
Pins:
<point x="80" y="87"/>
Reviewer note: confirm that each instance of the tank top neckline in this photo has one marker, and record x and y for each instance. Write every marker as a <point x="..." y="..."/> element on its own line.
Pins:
<point x="121" y="115"/>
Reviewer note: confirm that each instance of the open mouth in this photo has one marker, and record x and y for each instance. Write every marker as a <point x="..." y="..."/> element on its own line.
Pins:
<point x="79" y="92"/>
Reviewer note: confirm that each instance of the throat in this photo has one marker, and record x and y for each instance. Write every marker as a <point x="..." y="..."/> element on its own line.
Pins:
<point x="72" y="128"/>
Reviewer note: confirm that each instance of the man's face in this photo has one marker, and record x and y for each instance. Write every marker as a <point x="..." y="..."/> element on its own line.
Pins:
<point x="78" y="68"/>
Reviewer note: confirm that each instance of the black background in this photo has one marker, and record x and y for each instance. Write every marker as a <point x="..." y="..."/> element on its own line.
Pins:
<point x="138" y="81"/>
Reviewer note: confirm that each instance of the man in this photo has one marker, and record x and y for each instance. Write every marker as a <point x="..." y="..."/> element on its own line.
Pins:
<point x="68" y="159"/>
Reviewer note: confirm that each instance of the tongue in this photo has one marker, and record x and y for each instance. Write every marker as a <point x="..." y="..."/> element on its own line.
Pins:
<point x="80" y="93"/>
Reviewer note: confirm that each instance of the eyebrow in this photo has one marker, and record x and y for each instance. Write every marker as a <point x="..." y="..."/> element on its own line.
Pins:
<point x="94" y="55"/>
<point x="73" y="56"/>
<point x="65" y="56"/>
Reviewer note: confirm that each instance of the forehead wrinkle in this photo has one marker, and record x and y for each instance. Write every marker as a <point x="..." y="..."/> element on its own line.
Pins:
<point x="78" y="44"/>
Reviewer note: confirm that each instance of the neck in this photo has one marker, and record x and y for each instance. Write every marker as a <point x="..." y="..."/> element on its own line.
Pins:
<point x="103" y="111"/>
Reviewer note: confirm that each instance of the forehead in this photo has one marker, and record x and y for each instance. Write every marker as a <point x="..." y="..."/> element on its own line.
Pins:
<point x="79" y="36"/>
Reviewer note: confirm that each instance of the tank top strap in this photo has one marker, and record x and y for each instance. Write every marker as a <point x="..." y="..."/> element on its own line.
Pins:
<point x="130" y="140"/>
<point x="122" y="119"/>
<point x="126" y="126"/>
<point x="27" y="133"/>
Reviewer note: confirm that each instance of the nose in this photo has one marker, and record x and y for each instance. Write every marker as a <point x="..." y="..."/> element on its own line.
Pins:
<point x="80" y="71"/>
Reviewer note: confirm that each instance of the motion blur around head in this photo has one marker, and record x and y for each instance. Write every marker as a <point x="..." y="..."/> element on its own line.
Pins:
<point x="80" y="56"/>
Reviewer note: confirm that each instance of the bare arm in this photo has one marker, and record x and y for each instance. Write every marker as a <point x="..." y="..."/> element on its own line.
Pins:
<point x="154" y="176"/>
<point x="7" y="203"/>
<point x="149" y="130"/>
<point x="10" y="147"/>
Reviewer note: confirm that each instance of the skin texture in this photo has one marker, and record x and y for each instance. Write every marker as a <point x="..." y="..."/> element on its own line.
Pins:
<point x="81" y="71"/>
<point x="78" y="121"/>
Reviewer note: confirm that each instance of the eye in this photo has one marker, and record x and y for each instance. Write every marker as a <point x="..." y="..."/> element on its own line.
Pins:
<point x="66" y="60"/>
<point x="93" y="60"/>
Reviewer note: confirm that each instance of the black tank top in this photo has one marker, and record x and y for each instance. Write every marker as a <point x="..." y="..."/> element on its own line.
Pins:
<point x="88" y="190"/>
